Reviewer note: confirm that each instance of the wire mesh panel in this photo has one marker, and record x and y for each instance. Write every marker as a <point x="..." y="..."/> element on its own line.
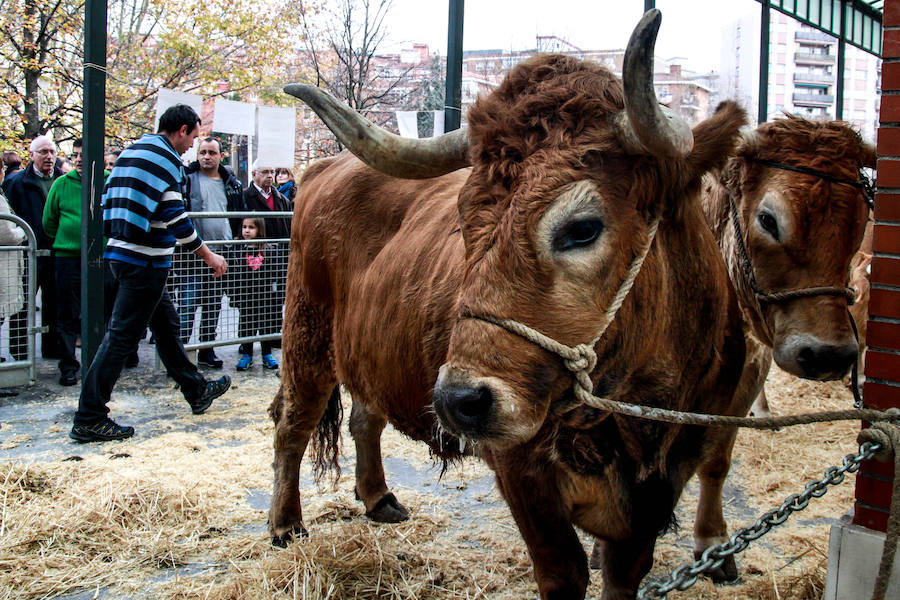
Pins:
<point x="243" y="306"/>
<point x="17" y="301"/>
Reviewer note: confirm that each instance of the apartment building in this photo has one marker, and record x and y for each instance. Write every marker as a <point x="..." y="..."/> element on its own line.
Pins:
<point x="691" y="95"/>
<point x="802" y="72"/>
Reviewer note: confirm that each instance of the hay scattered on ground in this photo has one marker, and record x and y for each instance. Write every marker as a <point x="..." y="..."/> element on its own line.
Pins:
<point x="168" y="517"/>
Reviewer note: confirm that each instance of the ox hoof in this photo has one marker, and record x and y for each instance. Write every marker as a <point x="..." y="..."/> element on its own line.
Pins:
<point x="388" y="510"/>
<point x="726" y="573"/>
<point x="281" y="540"/>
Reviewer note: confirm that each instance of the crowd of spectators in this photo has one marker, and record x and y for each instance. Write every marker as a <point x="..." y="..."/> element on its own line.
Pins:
<point x="147" y="196"/>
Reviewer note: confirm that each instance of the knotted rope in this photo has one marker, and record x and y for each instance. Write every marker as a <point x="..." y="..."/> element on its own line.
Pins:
<point x="581" y="359"/>
<point x="888" y="437"/>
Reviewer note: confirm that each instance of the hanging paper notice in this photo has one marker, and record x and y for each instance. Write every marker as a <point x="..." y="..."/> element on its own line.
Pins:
<point x="438" y="123"/>
<point x="234" y="117"/>
<point x="276" y="136"/>
<point x="167" y="98"/>
<point x="406" y="123"/>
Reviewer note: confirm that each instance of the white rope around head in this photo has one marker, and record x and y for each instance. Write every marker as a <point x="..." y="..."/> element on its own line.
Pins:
<point x="582" y="359"/>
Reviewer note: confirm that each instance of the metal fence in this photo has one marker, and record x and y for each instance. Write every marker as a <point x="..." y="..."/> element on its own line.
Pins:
<point x="18" y="282"/>
<point x="243" y="306"/>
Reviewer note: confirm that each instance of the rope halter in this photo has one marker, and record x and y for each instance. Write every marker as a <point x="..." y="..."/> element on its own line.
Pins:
<point x="781" y="296"/>
<point x="581" y="359"/>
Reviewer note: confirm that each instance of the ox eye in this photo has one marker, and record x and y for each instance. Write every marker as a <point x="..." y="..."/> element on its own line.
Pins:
<point x="577" y="234"/>
<point x="768" y="222"/>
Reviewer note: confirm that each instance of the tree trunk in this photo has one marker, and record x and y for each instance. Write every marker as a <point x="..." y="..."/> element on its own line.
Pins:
<point x="32" y="73"/>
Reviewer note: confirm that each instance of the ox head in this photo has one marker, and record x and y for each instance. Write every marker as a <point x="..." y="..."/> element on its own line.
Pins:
<point x="802" y="231"/>
<point x="570" y="167"/>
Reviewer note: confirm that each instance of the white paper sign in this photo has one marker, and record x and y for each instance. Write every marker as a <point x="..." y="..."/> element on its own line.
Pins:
<point x="167" y="98"/>
<point x="406" y="123"/>
<point x="438" y="123"/>
<point x="234" y="117"/>
<point x="276" y="136"/>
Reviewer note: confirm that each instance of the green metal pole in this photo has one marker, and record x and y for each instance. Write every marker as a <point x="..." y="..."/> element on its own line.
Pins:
<point x="453" y="95"/>
<point x="649" y="4"/>
<point x="763" y="113"/>
<point x="841" y="57"/>
<point x="93" y="132"/>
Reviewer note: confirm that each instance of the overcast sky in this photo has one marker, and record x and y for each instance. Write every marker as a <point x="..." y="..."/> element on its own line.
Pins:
<point x="690" y="28"/>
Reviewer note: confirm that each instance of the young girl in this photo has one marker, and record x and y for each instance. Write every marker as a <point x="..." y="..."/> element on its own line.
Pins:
<point x="252" y="292"/>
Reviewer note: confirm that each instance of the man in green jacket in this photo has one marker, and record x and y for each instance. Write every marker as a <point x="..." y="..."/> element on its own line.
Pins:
<point x="62" y="223"/>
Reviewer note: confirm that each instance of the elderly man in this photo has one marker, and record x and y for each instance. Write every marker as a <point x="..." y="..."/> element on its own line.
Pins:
<point x="212" y="187"/>
<point x="143" y="219"/>
<point x="262" y="195"/>
<point x="27" y="193"/>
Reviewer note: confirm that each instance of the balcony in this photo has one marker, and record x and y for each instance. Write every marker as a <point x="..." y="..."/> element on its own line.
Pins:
<point x="813" y="58"/>
<point x="814" y="36"/>
<point x="814" y="99"/>
<point x="803" y="77"/>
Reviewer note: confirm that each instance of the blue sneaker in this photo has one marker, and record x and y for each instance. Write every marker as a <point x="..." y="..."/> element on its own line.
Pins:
<point x="269" y="361"/>
<point x="245" y="362"/>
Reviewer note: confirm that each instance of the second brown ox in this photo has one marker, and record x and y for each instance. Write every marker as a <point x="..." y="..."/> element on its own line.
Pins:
<point x="388" y="278"/>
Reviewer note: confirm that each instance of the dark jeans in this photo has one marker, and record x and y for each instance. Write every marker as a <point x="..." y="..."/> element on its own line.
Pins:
<point x="68" y="310"/>
<point x="141" y="300"/>
<point x="200" y="288"/>
<point x="18" y="323"/>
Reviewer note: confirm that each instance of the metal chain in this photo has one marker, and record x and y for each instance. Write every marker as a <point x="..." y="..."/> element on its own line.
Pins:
<point x="686" y="575"/>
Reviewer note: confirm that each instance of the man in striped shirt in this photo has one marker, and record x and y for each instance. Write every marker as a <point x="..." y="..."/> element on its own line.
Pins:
<point x="143" y="218"/>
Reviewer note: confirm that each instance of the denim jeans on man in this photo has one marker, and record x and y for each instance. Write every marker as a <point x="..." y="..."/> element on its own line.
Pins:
<point x="141" y="300"/>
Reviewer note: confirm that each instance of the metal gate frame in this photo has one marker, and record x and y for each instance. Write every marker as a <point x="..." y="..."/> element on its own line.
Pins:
<point x="21" y="372"/>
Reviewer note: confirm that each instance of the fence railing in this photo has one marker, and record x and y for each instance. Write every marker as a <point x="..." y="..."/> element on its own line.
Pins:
<point x="18" y="271"/>
<point x="243" y="306"/>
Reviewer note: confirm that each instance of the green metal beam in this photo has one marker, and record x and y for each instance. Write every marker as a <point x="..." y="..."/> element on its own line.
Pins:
<point x="453" y="93"/>
<point x="861" y="22"/>
<point x="93" y="132"/>
<point x="763" y="110"/>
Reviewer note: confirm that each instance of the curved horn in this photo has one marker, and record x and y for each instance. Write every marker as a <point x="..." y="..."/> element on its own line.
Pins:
<point x="645" y="126"/>
<point x="380" y="149"/>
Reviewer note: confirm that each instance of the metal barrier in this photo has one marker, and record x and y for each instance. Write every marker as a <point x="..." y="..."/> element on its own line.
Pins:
<point x="243" y="306"/>
<point x="18" y="270"/>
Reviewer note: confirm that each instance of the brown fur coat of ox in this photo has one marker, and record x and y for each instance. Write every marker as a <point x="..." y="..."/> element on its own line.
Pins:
<point x="382" y="269"/>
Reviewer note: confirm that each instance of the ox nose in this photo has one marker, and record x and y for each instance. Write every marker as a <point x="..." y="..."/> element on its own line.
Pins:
<point x="824" y="361"/>
<point x="463" y="409"/>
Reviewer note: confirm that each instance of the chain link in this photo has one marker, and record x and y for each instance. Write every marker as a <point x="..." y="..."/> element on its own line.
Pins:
<point x="686" y="575"/>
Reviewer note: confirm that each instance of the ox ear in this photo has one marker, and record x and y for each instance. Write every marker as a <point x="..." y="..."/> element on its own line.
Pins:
<point x="381" y="149"/>
<point x="869" y="158"/>
<point x="645" y="127"/>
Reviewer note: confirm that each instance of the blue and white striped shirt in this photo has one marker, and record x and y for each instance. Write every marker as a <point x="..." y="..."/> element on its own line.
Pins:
<point x="143" y="205"/>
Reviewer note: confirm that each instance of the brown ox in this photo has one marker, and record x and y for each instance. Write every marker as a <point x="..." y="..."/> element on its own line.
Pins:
<point x="800" y="231"/>
<point x="386" y="279"/>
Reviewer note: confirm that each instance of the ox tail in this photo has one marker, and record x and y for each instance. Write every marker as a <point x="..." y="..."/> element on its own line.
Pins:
<point x="326" y="441"/>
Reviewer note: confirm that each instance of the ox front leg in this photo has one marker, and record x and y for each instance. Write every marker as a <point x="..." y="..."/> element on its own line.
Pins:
<point x="624" y="563"/>
<point x="530" y="490"/>
<point x="295" y="419"/>
<point x="366" y="426"/>
<point x="709" y="526"/>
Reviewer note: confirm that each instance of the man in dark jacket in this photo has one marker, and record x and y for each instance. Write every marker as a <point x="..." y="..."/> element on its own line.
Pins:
<point x="211" y="187"/>
<point x="262" y="195"/>
<point x="27" y="193"/>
